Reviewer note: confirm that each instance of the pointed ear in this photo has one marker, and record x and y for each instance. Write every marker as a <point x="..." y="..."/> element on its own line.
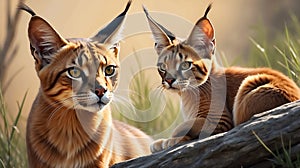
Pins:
<point x="111" y="33"/>
<point x="44" y="40"/>
<point x="161" y="35"/>
<point x="202" y="34"/>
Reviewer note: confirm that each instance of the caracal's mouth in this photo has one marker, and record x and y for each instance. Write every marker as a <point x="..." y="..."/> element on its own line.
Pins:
<point x="92" y="102"/>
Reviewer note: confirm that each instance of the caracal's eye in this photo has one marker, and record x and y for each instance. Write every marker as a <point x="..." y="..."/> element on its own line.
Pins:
<point x="162" y="67"/>
<point x="185" y="65"/>
<point x="110" y="70"/>
<point x="74" y="72"/>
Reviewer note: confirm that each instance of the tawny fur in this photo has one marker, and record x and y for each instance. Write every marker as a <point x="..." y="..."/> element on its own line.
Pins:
<point x="59" y="140"/>
<point x="214" y="99"/>
<point x="70" y="123"/>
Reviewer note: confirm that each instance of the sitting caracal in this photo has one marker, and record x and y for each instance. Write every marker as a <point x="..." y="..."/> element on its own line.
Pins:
<point x="70" y="123"/>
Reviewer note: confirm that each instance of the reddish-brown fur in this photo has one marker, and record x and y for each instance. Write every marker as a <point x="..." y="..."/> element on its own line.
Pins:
<point x="214" y="99"/>
<point x="256" y="90"/>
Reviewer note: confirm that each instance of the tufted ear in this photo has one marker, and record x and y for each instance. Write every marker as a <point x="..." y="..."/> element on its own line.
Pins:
<point x="44" y="40"/>
<point x="111" y="33"/>
<point x="161" y="35"/>
<point x="202" y="35"/>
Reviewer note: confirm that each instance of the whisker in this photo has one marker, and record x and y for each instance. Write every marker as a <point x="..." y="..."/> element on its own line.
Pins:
<point x="54" y="112"/>
<point x="121" y="99"/>
<point x="123" y="104"/>
<point x="194" y="90"/>
<point x="160" y="88"/>
<point x="155" y="85"/>
<point x="51" y="105"/>
<point x="57" y="108"/>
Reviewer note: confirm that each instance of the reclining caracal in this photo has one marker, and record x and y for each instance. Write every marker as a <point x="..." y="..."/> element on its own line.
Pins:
<point x="70" y="123"/>
<point x="214" y="98"/>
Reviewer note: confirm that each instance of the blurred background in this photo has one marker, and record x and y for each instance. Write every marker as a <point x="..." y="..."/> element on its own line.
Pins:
<point x="248" y="32"/>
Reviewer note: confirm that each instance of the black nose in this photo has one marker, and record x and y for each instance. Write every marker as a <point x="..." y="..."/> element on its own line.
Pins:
<point x="170" y="81"/>
<point x="100" y="91"/>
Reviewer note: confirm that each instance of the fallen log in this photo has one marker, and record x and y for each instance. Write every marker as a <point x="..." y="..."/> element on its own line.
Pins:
<point x="278" y="129"/>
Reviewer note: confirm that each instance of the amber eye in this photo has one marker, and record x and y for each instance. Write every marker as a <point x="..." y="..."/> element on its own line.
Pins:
<point x="110" y="70"/>
<point x="185" y="65"/>
<point x="162" y="67"/>
<point x="74" y="72"/>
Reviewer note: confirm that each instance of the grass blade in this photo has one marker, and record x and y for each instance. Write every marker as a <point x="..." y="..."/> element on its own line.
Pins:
<point x="18" y="117"/>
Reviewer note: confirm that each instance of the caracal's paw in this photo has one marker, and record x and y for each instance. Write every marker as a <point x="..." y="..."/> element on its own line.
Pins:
<point x="162" y="144"/>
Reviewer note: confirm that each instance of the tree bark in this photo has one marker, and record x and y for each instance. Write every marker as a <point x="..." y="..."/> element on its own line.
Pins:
<point x="238" y="147"/>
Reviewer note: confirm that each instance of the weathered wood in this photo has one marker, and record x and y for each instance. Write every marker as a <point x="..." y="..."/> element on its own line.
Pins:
<point x="235" y="148"/>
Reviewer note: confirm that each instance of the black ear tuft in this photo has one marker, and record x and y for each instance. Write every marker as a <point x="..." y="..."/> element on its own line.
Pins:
<point x="168" y="33"/>
<point x="111" y="33"/>
<point x="26" y="8"/>
<point x="207" y="10"/>
<point x="203" y="34"/>
<point x="161" y="35"/>
<point x="44" y="40"/>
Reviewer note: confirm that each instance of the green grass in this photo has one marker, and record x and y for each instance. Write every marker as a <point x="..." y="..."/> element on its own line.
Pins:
<point x="283" y="156"/>
<point x="12" y="143"/>
<point x="280" y="52"/>
<point x="148" y="108"/>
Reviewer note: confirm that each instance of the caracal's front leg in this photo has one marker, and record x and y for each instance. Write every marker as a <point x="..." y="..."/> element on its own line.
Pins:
<point x="186" y="131"/>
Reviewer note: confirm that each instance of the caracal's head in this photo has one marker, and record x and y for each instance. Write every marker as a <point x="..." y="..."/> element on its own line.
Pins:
<point x="77" y="73"/>
<point x="184" y="63"/>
